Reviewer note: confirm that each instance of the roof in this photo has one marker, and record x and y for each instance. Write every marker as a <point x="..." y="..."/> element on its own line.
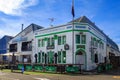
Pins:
<point x="31" y="27"/>
<point x="84" y="19"/>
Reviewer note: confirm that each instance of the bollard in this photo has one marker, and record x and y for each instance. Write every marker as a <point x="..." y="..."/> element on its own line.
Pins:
<point x="22" y="69"/>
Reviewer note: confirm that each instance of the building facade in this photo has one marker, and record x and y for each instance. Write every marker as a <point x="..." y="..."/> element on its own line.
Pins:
<point x="22" y="44"/>
<point x="3" y="46"/>
<point x="77" y="42"/>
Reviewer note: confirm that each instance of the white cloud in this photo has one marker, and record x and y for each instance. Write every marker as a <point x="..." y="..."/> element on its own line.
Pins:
<point x="15" y="7"/>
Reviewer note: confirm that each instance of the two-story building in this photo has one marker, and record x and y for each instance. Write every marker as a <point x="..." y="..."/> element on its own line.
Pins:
<point x="77" y="42"/>
<point x="22" y="44"/>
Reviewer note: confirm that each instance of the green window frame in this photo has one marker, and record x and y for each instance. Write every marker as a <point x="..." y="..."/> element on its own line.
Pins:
<point x="77" y="39"/>
<point x="50" y="57"/>
<point x="39" y="42"/>
<point x="83" y="39"/>
<point x="64" y="56"/>
<point x="43" y="42"/>
<point x="80" y="46"/>
<point x="59" y="56"/>
<point x="52" y="41"/>
<point x="39" y="57"/>
<point x="63" y="39"/>
<point x="59" y="40"/>
<point x="48" y="42"/>
<point x="43" y="57"/>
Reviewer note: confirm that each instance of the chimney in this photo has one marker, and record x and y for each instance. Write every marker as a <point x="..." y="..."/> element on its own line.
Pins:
<point x="22" y="27"/>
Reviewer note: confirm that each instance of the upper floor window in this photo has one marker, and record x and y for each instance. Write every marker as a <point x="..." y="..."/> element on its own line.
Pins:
<point x="78" y="39"/>
<point x="27" y="46"/>
<point x="81" y="39"/>
<point x="13" y="47"/>
<point x="50" y="41"/>
<point x="41" y="43"/>
<point x="61" y="40"/>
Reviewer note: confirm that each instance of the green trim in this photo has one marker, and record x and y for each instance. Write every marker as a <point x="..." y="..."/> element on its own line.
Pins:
<point x="45" y="39"/>
<point x="68" y="31"/>
<point x="60" y="33"/>
<point x="80" y="49"/>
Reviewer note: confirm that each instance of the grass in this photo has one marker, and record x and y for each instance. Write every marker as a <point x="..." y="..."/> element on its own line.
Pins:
<point x="29" y="72"/>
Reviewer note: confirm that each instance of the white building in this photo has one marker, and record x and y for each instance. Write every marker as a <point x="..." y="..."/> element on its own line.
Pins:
<point x="90" y="47"/>
<point x="22" y="44"/>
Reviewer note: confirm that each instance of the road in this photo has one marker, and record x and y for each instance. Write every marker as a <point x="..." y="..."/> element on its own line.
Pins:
<point x="18" y="76"/>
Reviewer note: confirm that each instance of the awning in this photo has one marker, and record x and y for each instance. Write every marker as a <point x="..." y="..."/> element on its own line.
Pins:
<point x="10" y="54"/>
<point x="25" y="53"/>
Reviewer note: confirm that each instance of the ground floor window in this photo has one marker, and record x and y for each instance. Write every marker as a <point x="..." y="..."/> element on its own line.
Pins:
<point x="43" y="57"/>
<point x="61" y="56"/>
<point x="50" y="57"/>
<point x="39" y="57"/>
<point x="64" y="57"/>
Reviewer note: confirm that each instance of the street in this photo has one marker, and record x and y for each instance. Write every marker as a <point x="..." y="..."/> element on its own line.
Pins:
<point x="47" y="76"/>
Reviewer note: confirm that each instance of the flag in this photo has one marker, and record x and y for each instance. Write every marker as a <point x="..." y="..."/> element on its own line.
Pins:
<point x="73" y="12"/>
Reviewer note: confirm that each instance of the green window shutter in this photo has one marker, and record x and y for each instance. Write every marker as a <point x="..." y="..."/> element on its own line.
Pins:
<point x="83" y="39"/>
<point x="64" y="57"/>
<point x="59" y="40"/>
<point x="39" y="57"/>
<point x="59" y="57"/>
<point x="77" y="39"/>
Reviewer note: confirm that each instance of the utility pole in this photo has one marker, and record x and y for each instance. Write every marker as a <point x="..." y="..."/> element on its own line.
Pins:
<point x="73" y="14"/>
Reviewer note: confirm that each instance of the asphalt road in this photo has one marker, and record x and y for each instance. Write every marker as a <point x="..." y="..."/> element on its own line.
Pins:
<point x="18" y="76"/>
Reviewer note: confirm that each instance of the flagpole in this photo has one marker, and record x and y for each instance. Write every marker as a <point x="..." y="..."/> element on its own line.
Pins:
<point x="73" y="31"/>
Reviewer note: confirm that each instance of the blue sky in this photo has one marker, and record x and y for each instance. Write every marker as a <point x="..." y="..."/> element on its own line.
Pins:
<point x="13" y="13"/>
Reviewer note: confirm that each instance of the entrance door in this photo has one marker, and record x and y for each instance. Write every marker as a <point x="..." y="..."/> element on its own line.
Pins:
<point x="80" y="59"/>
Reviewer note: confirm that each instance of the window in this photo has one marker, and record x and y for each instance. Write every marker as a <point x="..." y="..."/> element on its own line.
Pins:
<point x="13" y="47"/>
<point x="92" y="41"/>
<point x="83" y="39"/>
<point x="39" y="57"/>
<point x="78" y="39"/>
<point x="64" y="57"/>
<point x="80" y="46"/>
<point x="92" y="56"/>
<point x="43" y="43"/>
<point x="52" y="41"/>
<point x="48" y="42"/>
<point x="102" y="45"/>
<point x="59" y="56"/>
<point x="39" y="43"/>
<point x="43" y="56"/>
<point x="96" y="58"/>
<point x="50" y="57"/>
<point x="27" y="46"/>
<point x="63" y="39"/>
<point x="59" y="40"/>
